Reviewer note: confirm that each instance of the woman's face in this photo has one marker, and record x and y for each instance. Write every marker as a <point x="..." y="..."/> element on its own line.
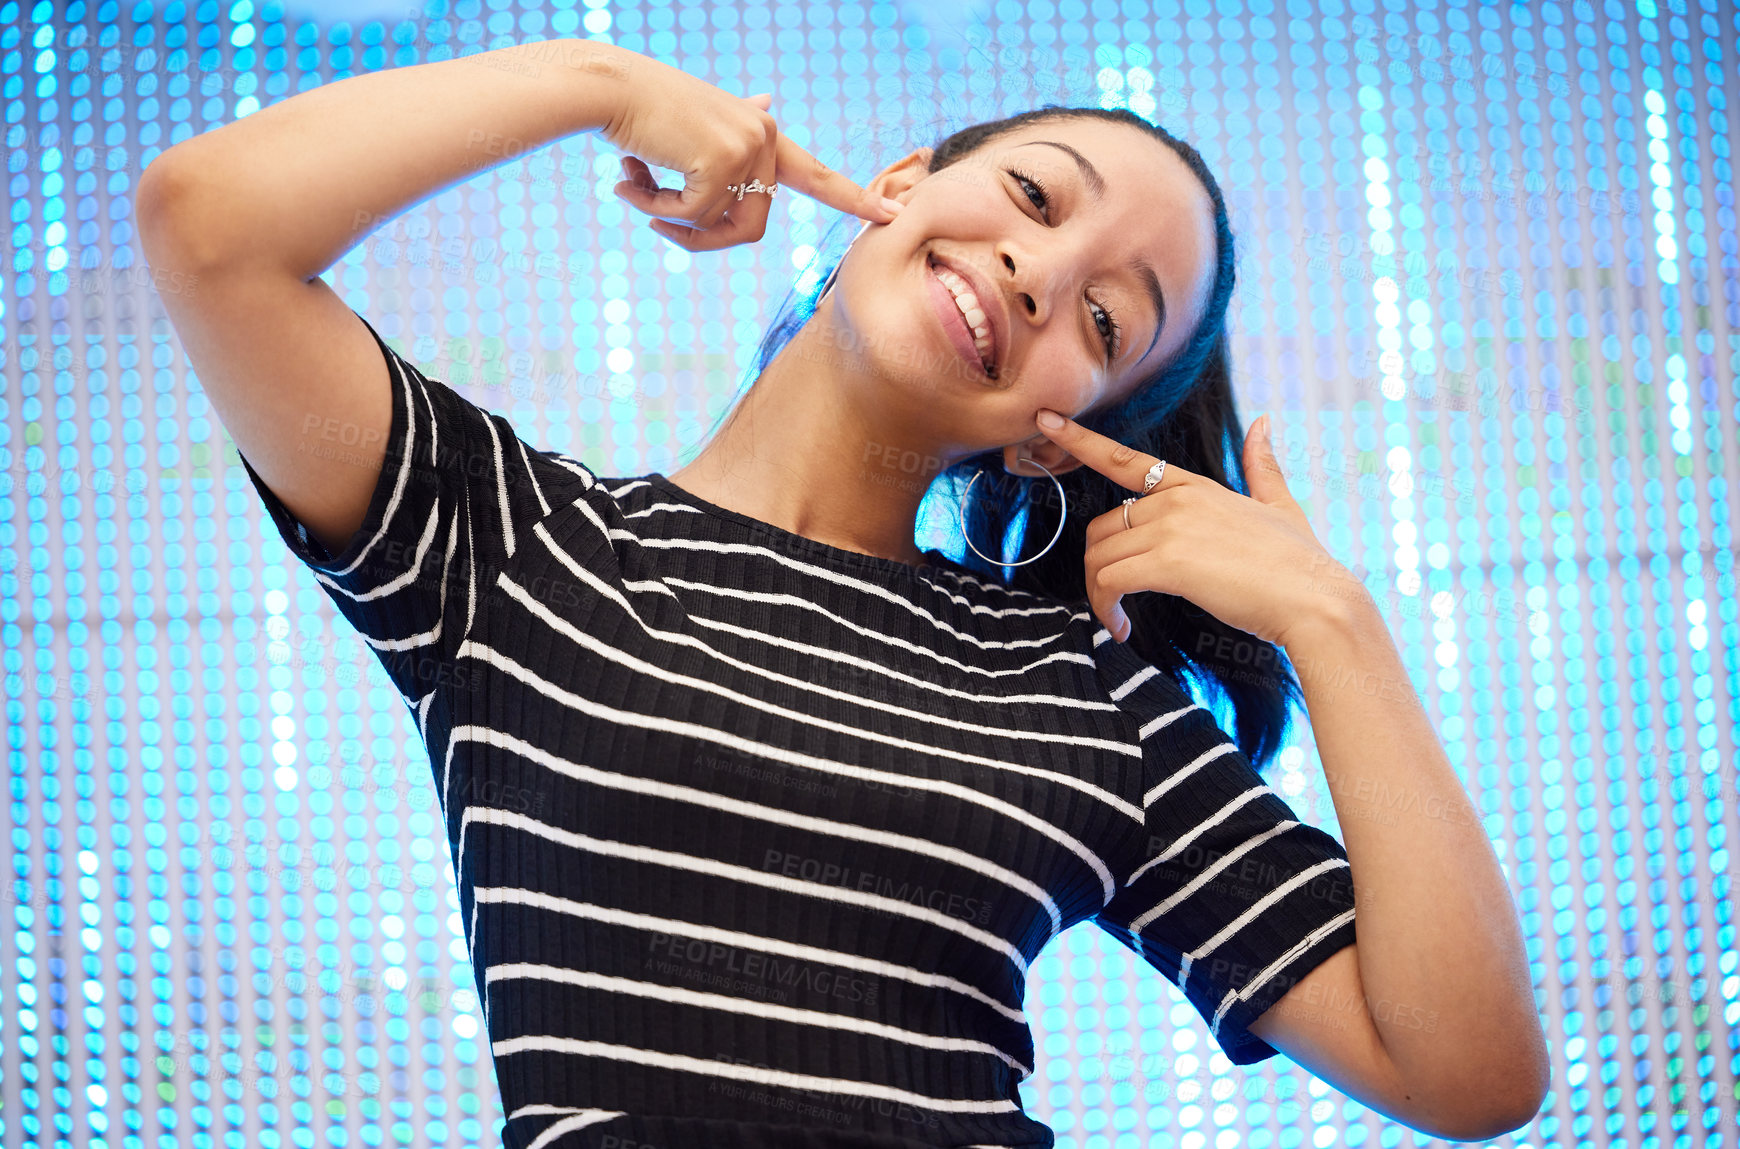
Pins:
<point x="1122" y="232"/>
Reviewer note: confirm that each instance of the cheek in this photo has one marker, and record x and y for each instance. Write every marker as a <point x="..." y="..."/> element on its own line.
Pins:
<point x="1061" y="378"/>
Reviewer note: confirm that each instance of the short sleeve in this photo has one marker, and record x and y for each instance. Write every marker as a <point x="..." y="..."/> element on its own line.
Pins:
<point x="1235" y="899"/>
<point x="458" y="492"/>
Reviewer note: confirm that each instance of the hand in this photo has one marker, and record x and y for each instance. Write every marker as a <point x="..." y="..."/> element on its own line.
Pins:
<point x="670" y="118"/>
<point x="1247" y="560"/>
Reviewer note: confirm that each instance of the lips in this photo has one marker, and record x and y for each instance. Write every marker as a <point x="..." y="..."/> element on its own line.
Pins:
<point x="958" y="329"/>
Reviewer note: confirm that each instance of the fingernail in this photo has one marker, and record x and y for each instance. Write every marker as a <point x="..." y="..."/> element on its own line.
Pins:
<point x="1263" y="425"/>
<point x="1049" y="418"/>
<point x="891" y="206"/>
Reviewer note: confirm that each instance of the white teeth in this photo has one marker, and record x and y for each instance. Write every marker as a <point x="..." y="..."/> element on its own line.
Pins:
<point x="970" y="310"/>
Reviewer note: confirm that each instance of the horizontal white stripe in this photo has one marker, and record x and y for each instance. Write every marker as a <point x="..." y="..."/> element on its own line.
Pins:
<point x="1276" y="966"/>
<point x="1156" y="724"/>
<point x="940" y="659"/>
<point x="719" y="1001"/>
<point x="575" y="466"/>
<point x="1186" y="771"/>
<point x="776" y="598"/>
<point x="587" y="512"/>
<point x="709" y="1067"/>
<point x="581" y="1119"/>
<point x="959" y="576"/>
<point x="675" y="927"/>
<point x="840" y="578"/>
<point x="924" y="848"/>
<point x="730" y="871"/>
<point x="1123" y="690"/>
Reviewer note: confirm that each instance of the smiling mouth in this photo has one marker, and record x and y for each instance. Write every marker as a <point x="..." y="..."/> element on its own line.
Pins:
<point x="956" y="327"/>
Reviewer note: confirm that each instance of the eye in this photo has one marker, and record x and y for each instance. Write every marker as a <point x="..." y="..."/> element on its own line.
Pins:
<point x="1111" y="334"/>
<point x="1043" y="203"/>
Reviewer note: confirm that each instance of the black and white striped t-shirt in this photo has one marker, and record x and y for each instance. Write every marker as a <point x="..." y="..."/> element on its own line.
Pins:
<point x="757" y="837"/>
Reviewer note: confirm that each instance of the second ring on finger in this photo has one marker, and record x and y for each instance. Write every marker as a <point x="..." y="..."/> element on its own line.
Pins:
<point x="1127" y="503"/>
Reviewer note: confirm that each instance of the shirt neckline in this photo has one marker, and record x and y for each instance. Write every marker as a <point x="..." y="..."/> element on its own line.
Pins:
<point x="793" y="543"/>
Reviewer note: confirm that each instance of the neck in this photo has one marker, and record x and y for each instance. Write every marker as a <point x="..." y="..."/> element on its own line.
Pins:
<point x="809" y="450"/>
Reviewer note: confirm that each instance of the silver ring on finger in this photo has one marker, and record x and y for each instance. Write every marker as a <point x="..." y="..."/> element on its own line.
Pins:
<point x="1126" y="505"/>
<point x="754" y="185"/>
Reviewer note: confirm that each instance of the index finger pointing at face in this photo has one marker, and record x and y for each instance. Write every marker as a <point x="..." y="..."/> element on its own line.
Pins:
<point x="743" y="221"/>
<point x="802" y="172"/>
<point x="1123" y="465"/>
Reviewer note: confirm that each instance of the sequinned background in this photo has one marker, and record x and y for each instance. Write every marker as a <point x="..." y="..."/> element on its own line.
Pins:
<point x="1489" y="288"/>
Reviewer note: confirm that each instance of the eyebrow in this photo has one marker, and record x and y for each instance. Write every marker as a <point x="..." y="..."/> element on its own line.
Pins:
<point x="1096" y="184"/>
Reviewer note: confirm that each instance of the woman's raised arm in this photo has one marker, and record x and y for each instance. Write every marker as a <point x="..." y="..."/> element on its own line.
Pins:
<point x="300" y="182"/>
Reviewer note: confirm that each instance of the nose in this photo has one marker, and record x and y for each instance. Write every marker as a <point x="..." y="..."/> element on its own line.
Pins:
<point x="1005" y="267"/>
<point x="1033" y="280"/>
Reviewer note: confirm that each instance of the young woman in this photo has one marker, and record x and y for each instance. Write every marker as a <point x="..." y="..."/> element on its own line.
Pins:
<point x="809" y="800"/>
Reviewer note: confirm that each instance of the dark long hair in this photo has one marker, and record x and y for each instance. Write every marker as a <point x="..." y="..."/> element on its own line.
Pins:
<point x="1183" y="413"/>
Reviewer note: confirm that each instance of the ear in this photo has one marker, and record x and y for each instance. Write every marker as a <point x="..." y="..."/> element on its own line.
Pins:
<point x="1051" y="456"/>
<point x="897" y="180"/>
